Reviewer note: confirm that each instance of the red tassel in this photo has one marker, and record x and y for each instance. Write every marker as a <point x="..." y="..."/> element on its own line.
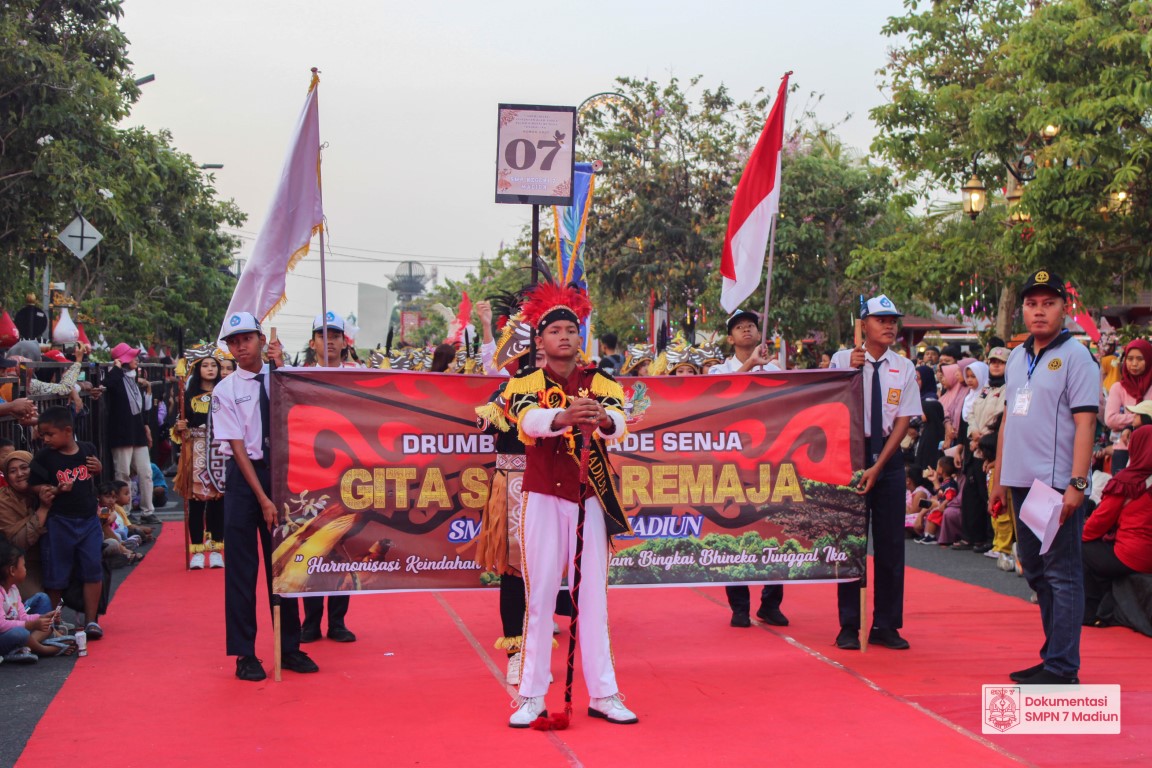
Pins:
<point x="557" y="722"/>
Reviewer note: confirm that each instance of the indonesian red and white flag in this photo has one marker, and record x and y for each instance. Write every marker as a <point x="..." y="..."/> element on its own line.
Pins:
<point x="754" y="209"/>
<point x="295" y="216"/>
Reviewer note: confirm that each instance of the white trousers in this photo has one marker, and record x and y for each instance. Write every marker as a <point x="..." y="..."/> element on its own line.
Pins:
<point x="548" y="540"/>
<point x="127" y="460"/>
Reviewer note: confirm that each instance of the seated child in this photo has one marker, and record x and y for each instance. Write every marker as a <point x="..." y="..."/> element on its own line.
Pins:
<point x="119" y="545"/>
<point x="915" y="496"/>
<point x="121" y="501"/>
<point x="947" y="490"/>
<point x="159" y="488"/>
<point x="23" y="636"/>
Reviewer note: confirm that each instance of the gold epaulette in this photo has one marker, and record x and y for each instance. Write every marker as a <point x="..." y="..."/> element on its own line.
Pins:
<point x="526" y="382"/>
<point x="603" y="385"/>
<point x="494" y="415"/>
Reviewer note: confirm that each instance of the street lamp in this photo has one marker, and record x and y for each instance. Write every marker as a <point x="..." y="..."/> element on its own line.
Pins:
<point x="974" y="197"/>
<point x="211" y="166"/>
<point x="1050" y="132"/>
<point x="144" y="80"/>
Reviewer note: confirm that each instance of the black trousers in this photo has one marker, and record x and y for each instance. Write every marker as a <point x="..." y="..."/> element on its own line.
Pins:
<point x="245" y="531"/>
<point x="337" y="610"/>
<point x="740" y="598"/>
<point x="1101" y="568"/>
<point x="886" y="509"/>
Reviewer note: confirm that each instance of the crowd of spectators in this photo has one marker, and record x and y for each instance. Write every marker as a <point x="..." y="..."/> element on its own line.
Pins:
<point x="67" y="518"/>
<point x="949" y="454"/>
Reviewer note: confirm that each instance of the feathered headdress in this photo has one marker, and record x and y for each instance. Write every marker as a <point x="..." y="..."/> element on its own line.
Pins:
<point x="546" y="303"/>
<point x="680" y="353"/>
<point x="636" y="355"/>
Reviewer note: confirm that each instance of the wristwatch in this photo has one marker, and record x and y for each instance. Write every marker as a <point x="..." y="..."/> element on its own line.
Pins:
<point x="1079" y="483"/>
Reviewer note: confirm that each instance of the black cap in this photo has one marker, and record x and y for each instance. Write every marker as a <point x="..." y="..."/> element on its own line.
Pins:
<point x="1047" y="280"/>
<point x="742" y="314"/>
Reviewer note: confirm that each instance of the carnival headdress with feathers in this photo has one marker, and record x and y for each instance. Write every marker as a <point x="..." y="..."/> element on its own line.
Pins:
<point x="547" y="303"/>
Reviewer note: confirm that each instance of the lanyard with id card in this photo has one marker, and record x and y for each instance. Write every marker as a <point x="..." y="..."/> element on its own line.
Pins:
<point x="1023" y="401"/>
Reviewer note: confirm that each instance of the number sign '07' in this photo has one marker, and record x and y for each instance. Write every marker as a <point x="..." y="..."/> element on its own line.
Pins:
<point x="535" y="153"/>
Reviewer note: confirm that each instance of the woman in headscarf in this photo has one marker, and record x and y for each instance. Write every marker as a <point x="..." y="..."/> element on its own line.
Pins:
<point x="1135" y="386"/>
<point x="953" y="390"/>
<point x="932" y="427"/>
<point x="975" y="524"/>
<point x="976" y="377"/>
<point x="22" y="516"/>
<point x="1118" y="535"/>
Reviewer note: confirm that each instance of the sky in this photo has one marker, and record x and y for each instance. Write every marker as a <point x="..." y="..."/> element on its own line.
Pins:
<point x="409" y="94"/>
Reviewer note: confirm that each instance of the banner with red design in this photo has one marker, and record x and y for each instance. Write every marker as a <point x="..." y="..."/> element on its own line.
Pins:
<point x="380" y="478"/>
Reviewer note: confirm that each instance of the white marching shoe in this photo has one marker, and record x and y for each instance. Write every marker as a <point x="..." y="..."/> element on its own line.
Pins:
<point x="513" y="676"/>
<point x="197" y="562"/>
<point x="215" y="559"/>
<point x="531" y="707"/>
<point x="612" y="709"/>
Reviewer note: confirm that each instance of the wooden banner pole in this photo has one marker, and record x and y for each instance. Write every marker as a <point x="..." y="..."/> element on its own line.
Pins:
<point x="858" y="334"/>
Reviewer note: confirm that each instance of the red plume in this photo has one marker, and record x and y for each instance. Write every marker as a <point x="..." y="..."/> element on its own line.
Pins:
<point x="545" y="297"/>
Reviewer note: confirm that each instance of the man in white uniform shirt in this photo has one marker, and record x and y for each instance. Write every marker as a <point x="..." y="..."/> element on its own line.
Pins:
<point x="749" y="356"/>
<point x="328" y="345"/>
<point x="241" y="424"/>
<point x="891" y="399"/>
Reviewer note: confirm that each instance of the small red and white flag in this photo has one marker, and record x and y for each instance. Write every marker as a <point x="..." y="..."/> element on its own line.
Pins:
<point x="754" y="209"/>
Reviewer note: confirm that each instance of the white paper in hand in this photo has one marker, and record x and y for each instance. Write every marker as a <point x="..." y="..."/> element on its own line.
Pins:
<point x="1041" y="513"/>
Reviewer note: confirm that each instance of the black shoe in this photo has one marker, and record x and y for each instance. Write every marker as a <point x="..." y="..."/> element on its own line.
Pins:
<point x="740" y="620"/>
<point x="772" y="616"/>
<point x="339" y="634"/>
<point x="889" y="638"/>
<point x="250" y="668"/>
<point x="1024" y="674"/>
<point x="298" y="661"/>
<point x="981" y="548"/>
<point x="848" y="639"/>
<point x="309" y="633"/>
<point x="150" y="519"/>
<point x="1044" y="677"/>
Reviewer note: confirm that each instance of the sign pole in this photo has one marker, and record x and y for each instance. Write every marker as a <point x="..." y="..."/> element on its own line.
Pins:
<point x="535" y="275"/>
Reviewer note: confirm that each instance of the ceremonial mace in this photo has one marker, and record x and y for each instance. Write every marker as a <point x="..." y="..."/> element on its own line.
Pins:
<point x="560" y="722"/>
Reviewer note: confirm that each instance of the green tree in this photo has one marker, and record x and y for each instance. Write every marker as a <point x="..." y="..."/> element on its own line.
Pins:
<point x="672" y="153"/>
<point x="1057" y="94"/>
<point x="162" y="265"/>
<point x="508" y="272"/>
<point x="831" y="204"/>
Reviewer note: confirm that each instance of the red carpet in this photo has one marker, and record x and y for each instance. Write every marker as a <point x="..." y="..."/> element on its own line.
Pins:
<point x="423" y="685"/>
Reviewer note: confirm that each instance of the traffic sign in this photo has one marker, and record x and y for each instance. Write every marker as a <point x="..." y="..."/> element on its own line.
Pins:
<point x="80" y="237"/>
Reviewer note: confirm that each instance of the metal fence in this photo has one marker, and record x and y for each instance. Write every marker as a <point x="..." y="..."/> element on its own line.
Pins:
<point x="91" y="422"/>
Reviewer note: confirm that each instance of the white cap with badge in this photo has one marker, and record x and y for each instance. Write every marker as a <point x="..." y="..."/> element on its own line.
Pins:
<point x="240" y="322"/>
<point x="331" y="321"/>
<point x="879" y="306"/>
